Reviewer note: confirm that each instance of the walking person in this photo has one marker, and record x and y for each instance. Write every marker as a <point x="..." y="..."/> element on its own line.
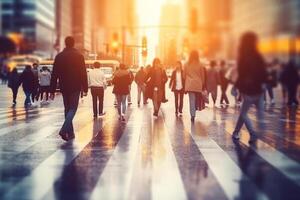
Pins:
<point x="140" y="80"/>
<point x="69" y="69"/>
<point x="290" y="78"/>
<point x="121" y="82"/>
<point x="14" y="84"/>
<point x="177" y="86"/>
<point x="27" y="79"/>
<point x="252" y="76"/>
<point x="271" y="83"/>
<point x="194" y="74"/>
<point x="129" y="95"/>
<point x="212" y="81"/>
<point x="36" y="86"/>
<point x="97" y="83"/>
<point x="156" y="80"/>
<point x="223" y="82"/>
<point x="44" y="82"/>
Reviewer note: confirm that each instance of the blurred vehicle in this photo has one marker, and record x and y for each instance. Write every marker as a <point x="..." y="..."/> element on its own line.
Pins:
<point x="19" y="61"/>
<point x="107" y="66"/>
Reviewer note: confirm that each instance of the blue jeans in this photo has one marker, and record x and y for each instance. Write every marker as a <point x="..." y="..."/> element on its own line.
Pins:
<point x="27" y="98"/>
<point x="121" y="99"/>
<point x="71" y="104"/>
<point x="248" y="101"/>
<point x="192" y="100"/>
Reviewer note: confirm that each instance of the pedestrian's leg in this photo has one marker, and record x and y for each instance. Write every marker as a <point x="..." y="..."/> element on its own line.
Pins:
<point x="192" y="101"/>
<point x="119" y="102"/>
<point x="225" y="95"/>
<point x="214" y="96"/>
<point x="15" y="93"/>
<point x="155" y="102"/>
<point x="176" y="94"/>
<point x="243" y="118"/>
<point x="94" y="98"/>
<point x="139" y="88"/>
<point x="101" y="99"/>
<point x="129" y="95"/>
<point x="181" y="94"/>
<point x="47" y="92"/>
<point x="70" y="111"/>
<point x="124" y="106"/>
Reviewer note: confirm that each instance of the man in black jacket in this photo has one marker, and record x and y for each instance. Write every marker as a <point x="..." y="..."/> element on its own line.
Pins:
<point x="69" y="69"/>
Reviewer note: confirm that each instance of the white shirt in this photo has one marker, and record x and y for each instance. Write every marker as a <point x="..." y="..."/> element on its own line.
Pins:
<point x="96" y="78"/>
<point x="178" y="81"/>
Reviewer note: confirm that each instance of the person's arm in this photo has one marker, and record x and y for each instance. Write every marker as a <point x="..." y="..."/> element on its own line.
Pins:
<point x="54" y="77"/>
<point x="172" y="79"/>
<point x="83" y="74"/>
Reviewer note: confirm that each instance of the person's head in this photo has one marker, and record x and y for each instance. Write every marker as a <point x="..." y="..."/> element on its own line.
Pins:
<point x="14" y="71"/>
<point x="35" y="65"/>
<point x="222" y="63"/>
<point x="142" y="68"/>
<point x="213" y="64"/>
<point x="122" y="66"/>
<point x="96" y="65"/>
<point x="194" y="57"/>
<point x="69" y="42"/>
<point x="44" y="68"/>
<point x="178" y="66"/>
<point x="156" y="62"/>
<point x="28" y="67"/>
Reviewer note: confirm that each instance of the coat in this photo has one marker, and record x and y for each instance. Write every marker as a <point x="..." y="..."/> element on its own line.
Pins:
<point x="194" y="74"/>
<point x="212" y="80"/>
<point x="173" y="80"/>
<point x="27" y="80"/>
<point x="69" y="68"/>
<point x="151" y="81"/>
<point x="140" y="77"/>
<point x="122" y="80"/>
<point x="13" y="80"/>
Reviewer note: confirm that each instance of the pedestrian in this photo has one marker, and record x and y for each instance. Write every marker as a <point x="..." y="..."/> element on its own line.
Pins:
<point x="97" y="83"/>
<point x="14" y="83"/>
<point x="129" y="95"/>
<point x="36" y="86"/>
<point x="223" y="82"/>
<point x="156" y="80"/>
<point x="121" y="82"/>
<point x="194" y="74"/>
<point x="69" y="68"/>
<point x="177" y="86"/>
<point x="252" y="76"/>
<point x="27" y="80"/>
<point x="212" y="81"/>
<point x="44" y="82"/>
<point x="271" y="83"/>
<point x="282" y="84"/>
<point x="140" y="80"/>
<point x="290" y="78"/>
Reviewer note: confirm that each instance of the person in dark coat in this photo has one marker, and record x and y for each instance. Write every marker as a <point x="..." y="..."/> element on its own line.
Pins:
<point x="122" y="80"/>
<point x="252" y="76"/>
<point x="140" y="79"/>
<point x="290" y="78"/>
<point x="14" y="84"/>
<point x="177" y="86"/>
<point x="69" y="68"/>
<point x="27" y="81"/>
<point x="223" y="82"/>
<point x="156" y="80"/>
<point x="36" y="85"/>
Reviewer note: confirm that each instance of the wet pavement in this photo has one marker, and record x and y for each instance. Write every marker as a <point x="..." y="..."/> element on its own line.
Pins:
<point x="146" y="158"/>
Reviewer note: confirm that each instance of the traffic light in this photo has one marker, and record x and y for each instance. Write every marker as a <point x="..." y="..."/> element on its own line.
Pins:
<point x="144" y="47"/>
<point x="115" y="43"/>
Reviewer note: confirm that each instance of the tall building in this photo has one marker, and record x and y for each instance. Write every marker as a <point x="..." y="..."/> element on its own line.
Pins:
<point x="277" y="23"/>
<point x="31" y="20"/>
<point x="63" y="22"/>
<point x="82" y="25"/>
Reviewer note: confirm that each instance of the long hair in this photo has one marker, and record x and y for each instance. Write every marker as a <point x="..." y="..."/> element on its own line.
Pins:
<point x="155" y="62"/>
<point x="248" y="55"/>
<point x="194" y="57"/>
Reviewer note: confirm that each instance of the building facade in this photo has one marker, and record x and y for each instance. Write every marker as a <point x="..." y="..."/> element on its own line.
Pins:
<point x="277" y="23"/>
<point x="32" y="22"/>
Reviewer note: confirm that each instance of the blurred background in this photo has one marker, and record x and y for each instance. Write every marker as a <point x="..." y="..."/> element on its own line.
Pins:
<point x="135" y="31"/>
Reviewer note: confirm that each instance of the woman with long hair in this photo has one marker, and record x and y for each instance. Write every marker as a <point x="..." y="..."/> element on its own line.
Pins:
<point x="194" y="74"/>
<point x="156" y="80"/>
<point x="251" y="78"/>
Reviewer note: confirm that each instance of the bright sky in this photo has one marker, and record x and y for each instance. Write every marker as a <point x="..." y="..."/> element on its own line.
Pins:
<point x="149" y="14"/>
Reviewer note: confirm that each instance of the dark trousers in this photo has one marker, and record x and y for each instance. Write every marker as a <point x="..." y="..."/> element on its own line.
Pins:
<point x="269" y="90"/>
<point x="178" y="100"/>
<point x="292" y="94"/>
<point x="71" y="104"/>
<point x="97" y="96"/>
<point x="224" y="95"/>
<point x="27" y="97"/>
<point x="44" y="89"/>
<point x="15" y="94"/>
<point x="35" y="94"/>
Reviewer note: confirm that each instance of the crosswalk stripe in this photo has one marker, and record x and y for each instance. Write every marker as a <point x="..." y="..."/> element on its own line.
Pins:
<point x="280" y="161"/>
<point x="224" y="168"/>
<point x="114" y="183"/>
<point x="23" y="144"/>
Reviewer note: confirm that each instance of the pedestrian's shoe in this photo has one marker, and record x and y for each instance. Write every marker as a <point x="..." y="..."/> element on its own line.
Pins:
<point x="272" y="102"/>
<point x="253" y="138"/>
<point x="180" y="113"/>
<point x="64" y="136"/>
<point x="192" y="119"/>
<point x="165" y="100"/>
<point x="95" y="116"/>
<point x="122" y="118"/>
<point x="129" y="103"/>
<point x="235" y="136"/>
<point x="155" y="114"/>
<point x="102" y="114"/>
